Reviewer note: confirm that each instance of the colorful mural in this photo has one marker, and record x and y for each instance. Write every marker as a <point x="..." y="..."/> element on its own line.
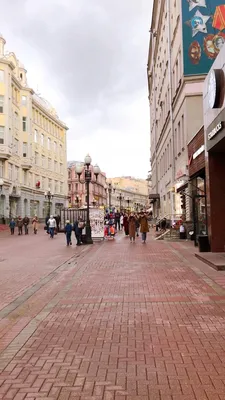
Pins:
<point x="203" y="34"/>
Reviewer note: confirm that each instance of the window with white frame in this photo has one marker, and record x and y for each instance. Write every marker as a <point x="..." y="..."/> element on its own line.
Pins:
<point x="36" y="155"/>
<point x="25" y="149"/>
<point x="2" y="131"/>
<point x="49" y="163"/>
<point x="49" y="144"/>
<point x="24" y="100"/>
<point x="16" y="174"/>
<point x="1" y="104"/>
<point x="24" y="124"/>
<point x="35" y="136"/>
<point x="2" y="75"/>
<point x="10" y="171"/>
<point x="15" y="145"/>
<point x="42" y="139"/>
<point x="1" y="169"/>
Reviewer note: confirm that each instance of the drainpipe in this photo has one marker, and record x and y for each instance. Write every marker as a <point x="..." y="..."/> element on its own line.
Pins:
<point x="154" y="35"/>
<point x="171" y="107"/>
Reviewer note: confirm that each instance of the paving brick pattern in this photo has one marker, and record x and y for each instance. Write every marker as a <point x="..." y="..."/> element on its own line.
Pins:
<point x="121" y="322"/>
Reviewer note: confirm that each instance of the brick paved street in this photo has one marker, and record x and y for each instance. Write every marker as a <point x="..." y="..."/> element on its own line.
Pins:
<point x="117" y="321"/>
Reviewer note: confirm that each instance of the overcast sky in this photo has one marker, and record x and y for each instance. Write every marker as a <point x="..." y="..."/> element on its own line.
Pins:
<point x="89" y="59"/>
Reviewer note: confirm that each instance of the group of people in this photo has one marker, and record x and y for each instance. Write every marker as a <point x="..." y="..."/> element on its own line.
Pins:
<point x="131" y="223"/>
<point x="23" y="225"/>
<point x="77" y="227"/>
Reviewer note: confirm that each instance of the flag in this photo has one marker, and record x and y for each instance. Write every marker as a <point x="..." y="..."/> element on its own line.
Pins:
<point x="219" y="18"/>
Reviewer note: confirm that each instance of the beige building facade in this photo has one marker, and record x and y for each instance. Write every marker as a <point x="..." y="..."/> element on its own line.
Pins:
<point x="32" y="146"/>
<point x="176" y="109"/>
<point x="129" y="193"/>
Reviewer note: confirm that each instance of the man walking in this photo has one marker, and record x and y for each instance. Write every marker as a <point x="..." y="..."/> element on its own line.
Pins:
<point x="51" y="226"/>
<point x="26" y="223"/>
<point x="117" y="220"/>
<point x="78" y="227"/>
<point x="20" y="225"/>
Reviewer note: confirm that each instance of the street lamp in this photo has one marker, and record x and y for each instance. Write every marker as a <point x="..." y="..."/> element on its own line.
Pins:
<point x="110" y="189"/>
<point x="120" y="198"/>
<point x="49" y="196"/>
<point x="87" y="180"/>
<point x="128" y="202"/>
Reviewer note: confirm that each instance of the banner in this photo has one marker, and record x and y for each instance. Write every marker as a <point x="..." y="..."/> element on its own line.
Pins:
<point x="203" y="23"/>
<point x="97" y="223"/>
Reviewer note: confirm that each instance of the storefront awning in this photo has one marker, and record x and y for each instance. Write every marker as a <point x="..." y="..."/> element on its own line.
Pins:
<point x="154" y="196"/>
<point x="182" y="187"/>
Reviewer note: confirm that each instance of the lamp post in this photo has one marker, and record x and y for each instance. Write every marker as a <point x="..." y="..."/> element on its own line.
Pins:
<point x="49" y="196"/>
<point x="87" y="180"/>
<point x="128" y="202"/>
<point x="120" y="198"/>
<point x="110" y="189"/>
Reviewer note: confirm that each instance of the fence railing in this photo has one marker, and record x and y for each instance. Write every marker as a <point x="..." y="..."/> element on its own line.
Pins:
<point x="72" y="215"/>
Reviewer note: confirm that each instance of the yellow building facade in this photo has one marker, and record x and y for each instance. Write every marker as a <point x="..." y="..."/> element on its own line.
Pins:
<point x="32" y="146"/>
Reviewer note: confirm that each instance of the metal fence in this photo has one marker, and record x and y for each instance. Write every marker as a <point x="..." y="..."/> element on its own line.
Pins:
<point x="72" y="214"/>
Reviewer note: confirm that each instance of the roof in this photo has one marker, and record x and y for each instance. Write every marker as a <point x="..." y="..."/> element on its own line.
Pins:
<point x="44" y="103"/>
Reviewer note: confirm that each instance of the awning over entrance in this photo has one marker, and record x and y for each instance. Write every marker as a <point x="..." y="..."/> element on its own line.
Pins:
<point x="154" y="197"/>
<point x="182" y="187"/>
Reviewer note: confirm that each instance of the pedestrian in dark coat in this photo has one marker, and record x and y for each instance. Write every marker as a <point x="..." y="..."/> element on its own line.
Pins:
<point x="132" y="227"/>
<point x="26" y="222"/>
<point x="20" y="225"/>
<point x="144" y="229"/>
<point x="68" y="232"/>
<point x="78" y="228"/>
<point x="12" y="225"/>
<point x="126" y="225"/>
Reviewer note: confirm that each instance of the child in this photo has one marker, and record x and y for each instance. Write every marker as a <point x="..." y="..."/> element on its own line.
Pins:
<point x="68" y="232"/>
<point x="12" y="225"/>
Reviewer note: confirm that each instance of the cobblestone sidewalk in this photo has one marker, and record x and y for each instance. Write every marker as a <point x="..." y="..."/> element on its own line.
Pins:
<point x="121" y="322"/>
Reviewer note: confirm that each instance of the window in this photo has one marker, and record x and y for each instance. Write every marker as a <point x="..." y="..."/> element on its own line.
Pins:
<point x="16" y="174"/>
<point x="16" y="120"/>
<point x="35" y="136"/>
<point x="55" y="166"/>
<point x="55" y="147"/>
<point x="69" y="187"/>
<point x="1" y="169"/>
<point x="24" y="124"/>
<point x="24" y="100"/>
<point x="61" y="168"/>
<point x="15" y="145"/>
<point x="1" y="75"/>
<point x="49" y="144"/>
<point x="1" y="104"/>
<point x="76" y="187"/>
<point x="61" y="187"/>
<point x="49" y="163"/>
<point x="1" y="134"/>
<point x="43" y="161"/>
<point x="10" y="171"/>
<point x="25" y="177"/>
<point x="42" y="139"/>
<point x="36" y="157"/>
<point x="25" y="149"/>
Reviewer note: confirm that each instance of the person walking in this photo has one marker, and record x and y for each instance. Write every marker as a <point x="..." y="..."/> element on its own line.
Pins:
<point x="117" y="221"/>
<point x="68" y="231"/>
<point x="137" y="225"/>
<point x="20" y="225"/>
<point x="26" y="222"/>
<point x="144" y="229"/>
<point x="46" y="223"/>
<point x="51" y="226"/>
<point x="121" y="221"/>
<point x="132" y="227"/>
<point x="78" y="228"/>
<point x="12" y="225"/>
<point x="126" y="225"/>
<point x="35" y="224"/>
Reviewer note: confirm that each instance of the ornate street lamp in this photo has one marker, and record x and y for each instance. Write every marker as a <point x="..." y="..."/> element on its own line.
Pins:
<point x="110" y="190"/>
<point x="120" y="198"/>
<point x="49" y="196"/>
<point x="87" y="180"/>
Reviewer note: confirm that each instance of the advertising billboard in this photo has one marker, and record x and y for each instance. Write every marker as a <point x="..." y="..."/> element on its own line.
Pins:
<point x="203" y="24"/>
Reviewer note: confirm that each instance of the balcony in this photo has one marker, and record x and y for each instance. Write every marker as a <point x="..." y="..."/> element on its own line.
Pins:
<point x="5" y="152"/>
<point x="26" y="163"/>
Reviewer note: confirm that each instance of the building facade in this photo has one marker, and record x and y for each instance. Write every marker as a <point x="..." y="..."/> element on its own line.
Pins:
<point x="129" y="193"/>
<point x="77" y="190"/>
<point x="185" y="38"/>
<point x="32" y="146"/>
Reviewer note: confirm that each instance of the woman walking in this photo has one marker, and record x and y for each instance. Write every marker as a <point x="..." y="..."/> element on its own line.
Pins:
<point x="144" y="229"/>
<point x="126" y="224"/>
<point x="35" y="224"/>
<point x="132" y="227"/>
